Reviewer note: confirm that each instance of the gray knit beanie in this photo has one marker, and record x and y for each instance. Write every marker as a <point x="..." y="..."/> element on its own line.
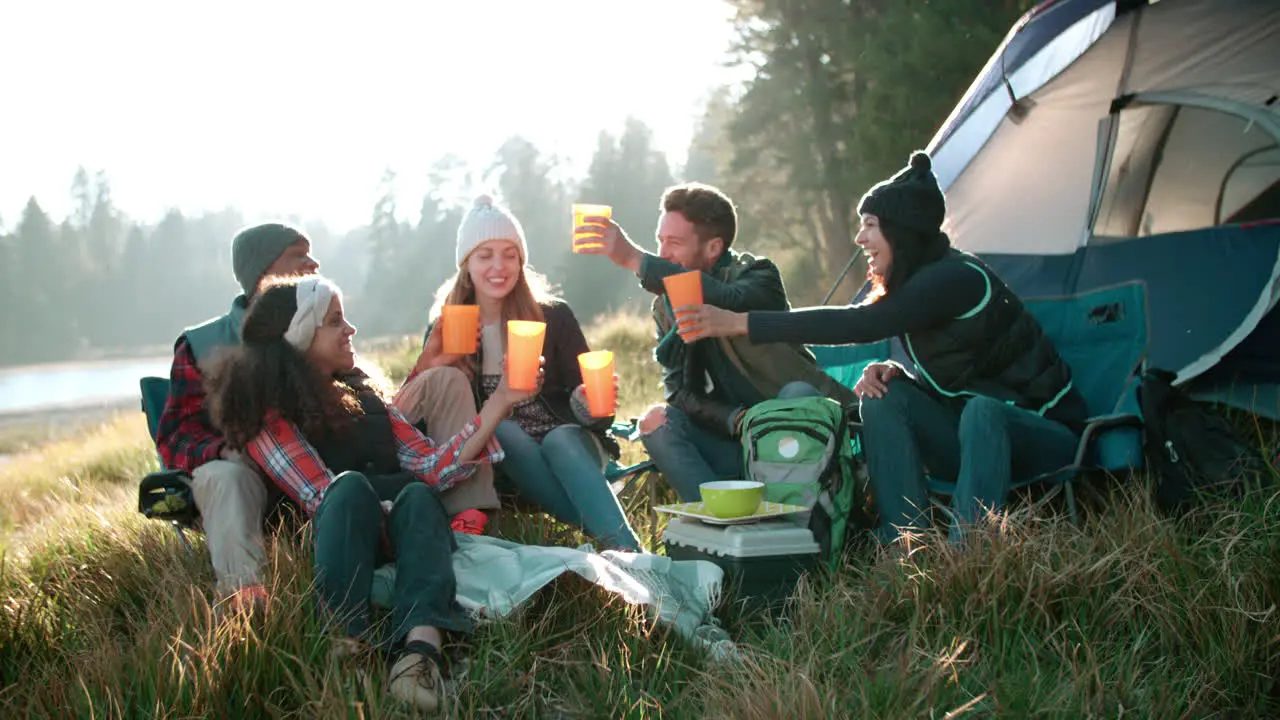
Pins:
<point x="254" y="249"/>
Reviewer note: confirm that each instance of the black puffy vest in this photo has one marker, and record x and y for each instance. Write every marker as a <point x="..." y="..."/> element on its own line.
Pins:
<point x="999" y="350"/>
<point x="368" y="446"/>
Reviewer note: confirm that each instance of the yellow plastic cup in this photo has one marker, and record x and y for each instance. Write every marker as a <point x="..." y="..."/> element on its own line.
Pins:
<point x="683" y="289"/>
<point x="597" y="379"/>
<point x="461" y="327"/>
<point x="524" y="351"/>
<point x="581" y="211"/>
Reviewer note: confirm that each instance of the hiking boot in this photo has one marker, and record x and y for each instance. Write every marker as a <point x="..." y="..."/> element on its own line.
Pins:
<point x="415" y="678"/>
<point x="470" y="522"/>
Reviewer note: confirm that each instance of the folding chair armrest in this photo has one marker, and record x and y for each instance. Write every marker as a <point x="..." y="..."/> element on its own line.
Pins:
<point x="615" y="471"/>
<point x="625" y="429"/>
<point x="1100" y="424"/>
<point x="167" y="495"/>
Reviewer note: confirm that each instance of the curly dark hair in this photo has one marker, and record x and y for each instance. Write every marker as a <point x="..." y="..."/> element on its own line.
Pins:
<point x="266" y="373"/>
<point x="709" y="210"/>
<point x="912" y="250"/>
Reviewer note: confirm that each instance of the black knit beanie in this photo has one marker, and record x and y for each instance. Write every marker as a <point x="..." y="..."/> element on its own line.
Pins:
<point x="910" y="199"/>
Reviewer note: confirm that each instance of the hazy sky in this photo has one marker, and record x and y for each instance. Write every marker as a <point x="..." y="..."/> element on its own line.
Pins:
<point x="289" y="107"/>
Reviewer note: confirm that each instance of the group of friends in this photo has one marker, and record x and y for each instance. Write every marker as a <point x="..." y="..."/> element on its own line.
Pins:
<point x="270" y="404"/>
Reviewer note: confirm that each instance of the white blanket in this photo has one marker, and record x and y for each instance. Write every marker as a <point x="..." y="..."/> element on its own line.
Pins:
<point x="496" y="576"/>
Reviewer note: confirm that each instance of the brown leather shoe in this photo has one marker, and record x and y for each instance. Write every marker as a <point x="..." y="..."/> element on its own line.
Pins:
<point x="415" y="677"/>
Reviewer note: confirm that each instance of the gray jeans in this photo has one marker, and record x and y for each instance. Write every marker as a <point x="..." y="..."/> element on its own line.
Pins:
<point x="981" y="448"/>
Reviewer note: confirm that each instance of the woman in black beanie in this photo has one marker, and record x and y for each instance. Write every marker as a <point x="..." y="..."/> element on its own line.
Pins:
<point x="991" y="398"/>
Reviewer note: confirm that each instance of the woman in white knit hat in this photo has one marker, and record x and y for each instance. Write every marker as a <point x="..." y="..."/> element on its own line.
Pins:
<point x="293" y="398"/>
<point x="555" y="451"/>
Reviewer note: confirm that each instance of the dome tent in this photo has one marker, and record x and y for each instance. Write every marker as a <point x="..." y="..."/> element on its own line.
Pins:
<point x="1108" y="140"/>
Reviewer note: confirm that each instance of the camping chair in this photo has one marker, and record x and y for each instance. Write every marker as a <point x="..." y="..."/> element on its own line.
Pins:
<point x="1102" y="335"/>
<point x="165" y="495"/>
<point x="624" y="478"/>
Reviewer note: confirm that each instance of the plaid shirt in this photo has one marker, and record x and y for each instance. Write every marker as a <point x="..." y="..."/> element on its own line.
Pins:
<point x="295" y="466"/>
<point x="185" y="438"/>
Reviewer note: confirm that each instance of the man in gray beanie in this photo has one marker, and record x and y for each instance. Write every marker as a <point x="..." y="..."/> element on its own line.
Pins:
<point x="230" y="495"/>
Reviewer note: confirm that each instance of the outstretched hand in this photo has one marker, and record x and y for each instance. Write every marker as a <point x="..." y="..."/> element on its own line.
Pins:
<point x="580" y="396"/>
<point x="609" y="239"/>
<point x="511" y="397"/>
<point x="433" y="354"/>
<point x="695" y="322"/>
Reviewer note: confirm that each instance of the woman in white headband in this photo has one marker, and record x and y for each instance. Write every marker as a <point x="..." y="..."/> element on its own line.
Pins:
<point x="292" y="398"/>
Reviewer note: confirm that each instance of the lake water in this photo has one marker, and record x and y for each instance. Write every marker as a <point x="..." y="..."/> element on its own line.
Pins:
<point x="36" y="387"/>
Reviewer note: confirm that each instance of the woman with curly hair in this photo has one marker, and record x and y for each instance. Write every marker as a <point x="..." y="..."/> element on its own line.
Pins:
<point x="292" y="398"/>
<point x="991" y="397"/>
<point x="555" y="450"/>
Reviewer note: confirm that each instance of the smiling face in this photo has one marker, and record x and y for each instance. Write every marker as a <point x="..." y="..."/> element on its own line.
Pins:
<point x="495" y="267"/>
<point x="874" y="245"/>
<point x="678" y="242"/>
<point x="331" y="350"/>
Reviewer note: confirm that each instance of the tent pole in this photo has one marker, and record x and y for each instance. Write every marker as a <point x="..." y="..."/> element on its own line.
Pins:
<point x="840" y="279"/>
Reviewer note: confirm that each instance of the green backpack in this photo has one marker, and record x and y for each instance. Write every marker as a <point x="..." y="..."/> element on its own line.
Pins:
<point x="803" y="452"/>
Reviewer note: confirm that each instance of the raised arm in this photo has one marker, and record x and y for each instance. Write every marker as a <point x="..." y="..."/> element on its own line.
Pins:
<point x="443" y="466"/>
<point x="758" y="287"/>
<point x="937" y="294"/>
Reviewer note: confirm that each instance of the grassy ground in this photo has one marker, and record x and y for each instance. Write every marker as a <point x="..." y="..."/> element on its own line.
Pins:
<point x="102" y="614"/>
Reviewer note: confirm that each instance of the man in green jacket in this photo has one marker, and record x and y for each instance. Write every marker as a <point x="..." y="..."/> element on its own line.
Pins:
<point x="709" y="384"/>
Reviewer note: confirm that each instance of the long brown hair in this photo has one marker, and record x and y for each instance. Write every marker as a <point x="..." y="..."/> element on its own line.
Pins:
<point x="912" y="250"/>
<point x="266" y="373"/>
<point x="524" y="302"/>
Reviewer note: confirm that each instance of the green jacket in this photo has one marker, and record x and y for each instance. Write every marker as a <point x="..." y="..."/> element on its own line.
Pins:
<point x="740" y="282"/>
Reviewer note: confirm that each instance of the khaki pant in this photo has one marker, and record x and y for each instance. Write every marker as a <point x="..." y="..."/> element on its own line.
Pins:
<point x="443" y="398"/>
<point x="232" y="499"/>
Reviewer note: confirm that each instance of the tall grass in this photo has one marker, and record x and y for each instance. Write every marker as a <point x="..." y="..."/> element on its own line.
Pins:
<point x="103" y="614"/>
<point x="99" y="467"/>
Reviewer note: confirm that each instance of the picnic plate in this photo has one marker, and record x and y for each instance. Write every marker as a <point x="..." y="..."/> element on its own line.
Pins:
<point x="698" y="510"/>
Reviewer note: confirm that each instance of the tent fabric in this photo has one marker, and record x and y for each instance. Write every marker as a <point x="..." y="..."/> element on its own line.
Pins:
<point x="1194" y="279"/>
<point x="1107" y="141"/>
<point x="1044" y="25"/>
<point x="1219" y="49"/>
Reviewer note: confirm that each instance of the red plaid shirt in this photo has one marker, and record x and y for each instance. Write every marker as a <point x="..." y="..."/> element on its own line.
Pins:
<point x="185" y="438"/>
<point x="295" y="466"/>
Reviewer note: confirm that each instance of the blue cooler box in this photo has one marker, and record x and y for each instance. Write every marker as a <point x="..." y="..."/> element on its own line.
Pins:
<point x="762" y="561"/>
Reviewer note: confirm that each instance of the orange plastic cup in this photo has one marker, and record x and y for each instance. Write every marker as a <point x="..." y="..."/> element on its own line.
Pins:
<point x="461" y="326"/>
<point x="684" y="289"/>
<point x="524" y="349"/>
<point x="581" y="211"/>
<point x="597" y="379"/>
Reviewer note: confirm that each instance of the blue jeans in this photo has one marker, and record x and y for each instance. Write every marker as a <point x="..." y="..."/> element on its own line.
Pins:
<point x="563" y="474"/>
<point x="980" y="448"/>
<point x="349" y="527"/>
<point x="688" y="455"/>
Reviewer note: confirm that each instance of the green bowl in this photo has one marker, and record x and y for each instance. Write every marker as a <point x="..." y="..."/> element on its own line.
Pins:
<point x="727" y="499"/>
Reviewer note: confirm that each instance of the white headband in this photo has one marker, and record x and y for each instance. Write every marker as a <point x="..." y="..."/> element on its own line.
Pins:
<point x="314" y="295"/>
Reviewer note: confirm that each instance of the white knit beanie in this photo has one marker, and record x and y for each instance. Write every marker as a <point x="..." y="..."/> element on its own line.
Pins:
<point x="486" y="221"/>
<point x="314" y="293"/>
